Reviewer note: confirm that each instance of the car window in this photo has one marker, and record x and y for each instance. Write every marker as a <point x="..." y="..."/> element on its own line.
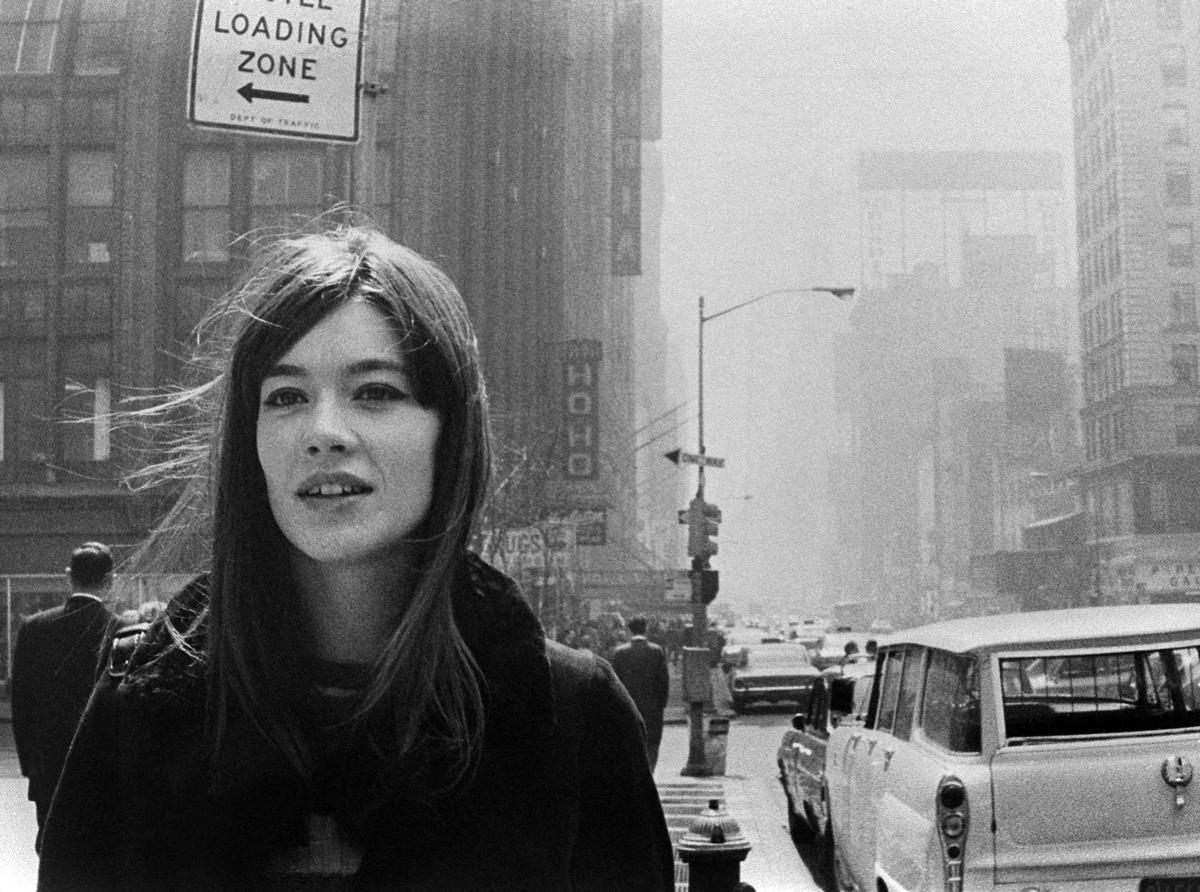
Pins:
<point x="906" y="700"/>
<point x="1126" y="692"/>
<point x="950" y="712"/>
<point x="889" y="690"/>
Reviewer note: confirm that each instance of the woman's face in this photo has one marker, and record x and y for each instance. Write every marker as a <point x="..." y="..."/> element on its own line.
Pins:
<point x="347" y="451"/>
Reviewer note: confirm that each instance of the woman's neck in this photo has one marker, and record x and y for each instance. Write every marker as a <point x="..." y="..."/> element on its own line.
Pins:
<point x="352" y="609"/>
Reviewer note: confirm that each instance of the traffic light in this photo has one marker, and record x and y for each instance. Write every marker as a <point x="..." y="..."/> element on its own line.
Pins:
<point x="703" y="524"/>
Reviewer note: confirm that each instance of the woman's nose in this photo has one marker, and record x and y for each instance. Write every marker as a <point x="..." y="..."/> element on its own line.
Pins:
<point x="329" y="431"/>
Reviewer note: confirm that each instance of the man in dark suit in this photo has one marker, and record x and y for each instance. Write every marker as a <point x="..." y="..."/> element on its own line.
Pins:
<point x="55" y="665"/>
<point x="642" y="668"/>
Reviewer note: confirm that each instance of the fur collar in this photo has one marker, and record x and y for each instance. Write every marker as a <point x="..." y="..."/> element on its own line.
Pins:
<point x="500" y="630"/>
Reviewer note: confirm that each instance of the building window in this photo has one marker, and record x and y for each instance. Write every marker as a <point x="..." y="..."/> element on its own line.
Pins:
<point x="1174" y="66"/>
<point x="85" y="402"/>
<point x="1179" y="184"/>
<point x="24" y="211"/>
<point x="1183" y="363"/>
<point x="92" y="117"/>
<point x="1170" y="15"/>
<point x="206" y="229"/>
<point x="87" y="306"/>
<point x="22" y="364"/>
<point x="91" y="223"/>
<point x="1183" y="305"/>
<point x="1175" y="121"/>
<point x="28" y="33"/>
<point x="100" y="36"/>
<point x="1179" y="245"/>
<point x="286" y="188"/>
<point x="1120" y="443"/>
<point x="1187" y="425"/>
<point x="22" y="304"/>
<point x="25" y="118"/>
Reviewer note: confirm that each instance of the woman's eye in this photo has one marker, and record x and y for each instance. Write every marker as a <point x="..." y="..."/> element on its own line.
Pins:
<point x="283" y="398"/>
<point x="380" y="392"/>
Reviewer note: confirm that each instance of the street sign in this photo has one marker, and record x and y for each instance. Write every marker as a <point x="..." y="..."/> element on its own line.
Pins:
<point x="679" y="457"/>
<point x="280" y="69"/>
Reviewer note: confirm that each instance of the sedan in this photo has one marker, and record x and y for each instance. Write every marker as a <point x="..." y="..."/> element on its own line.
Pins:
<point x="801" y="758"/>
<point x="772" y="673"/>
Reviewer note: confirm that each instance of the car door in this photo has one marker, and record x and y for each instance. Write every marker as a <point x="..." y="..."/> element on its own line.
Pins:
<point x="870" y="749"/>
<point x="810" y="755"/>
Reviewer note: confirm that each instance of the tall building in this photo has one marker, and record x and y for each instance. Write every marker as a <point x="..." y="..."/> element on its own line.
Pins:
<point x="502" y="140"/>
<point x="1135" y="68"/>
<point x="964" y="254"/>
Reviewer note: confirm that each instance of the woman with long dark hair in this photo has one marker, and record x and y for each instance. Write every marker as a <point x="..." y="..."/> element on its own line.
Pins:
<point x="346" y="696"/>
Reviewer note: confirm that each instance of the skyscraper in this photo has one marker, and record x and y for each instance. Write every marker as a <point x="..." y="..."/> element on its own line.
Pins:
<point x="1135" y="69"/>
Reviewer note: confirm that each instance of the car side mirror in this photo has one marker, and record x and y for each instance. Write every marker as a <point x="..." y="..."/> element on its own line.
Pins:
<point x="798" y="721"/>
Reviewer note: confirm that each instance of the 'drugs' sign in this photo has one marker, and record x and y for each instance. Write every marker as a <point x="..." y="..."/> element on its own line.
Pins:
<point x="581" y="409"/>
<point x="278" y="67"/>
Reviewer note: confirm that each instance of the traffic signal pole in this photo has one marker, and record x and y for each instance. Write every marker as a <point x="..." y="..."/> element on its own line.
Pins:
<point x="699" y="517"/>
<point x="697" y="765"/>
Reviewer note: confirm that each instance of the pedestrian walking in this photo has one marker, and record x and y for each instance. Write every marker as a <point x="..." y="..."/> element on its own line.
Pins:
<point x="642" y="667"/>
<point x="55" y="664"/>
<point x="349" y="697"/>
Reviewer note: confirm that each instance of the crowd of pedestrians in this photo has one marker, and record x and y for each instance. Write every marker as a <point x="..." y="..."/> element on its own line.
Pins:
<point x="604" y="634"/>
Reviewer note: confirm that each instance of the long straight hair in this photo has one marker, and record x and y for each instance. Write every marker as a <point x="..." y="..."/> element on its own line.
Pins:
<point x="254" y="646"/>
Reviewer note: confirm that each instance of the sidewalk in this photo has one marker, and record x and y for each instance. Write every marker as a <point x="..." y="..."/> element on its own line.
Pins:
<point x="773" y="865"/>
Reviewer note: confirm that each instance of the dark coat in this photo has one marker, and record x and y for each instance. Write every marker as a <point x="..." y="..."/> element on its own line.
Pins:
<point x="641" y="666"/>
<point x="562" y="798"/>
<point x="54" y="669"/>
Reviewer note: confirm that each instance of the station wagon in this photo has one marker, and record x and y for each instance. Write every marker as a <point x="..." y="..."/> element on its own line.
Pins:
<point x="1040" y="752"/>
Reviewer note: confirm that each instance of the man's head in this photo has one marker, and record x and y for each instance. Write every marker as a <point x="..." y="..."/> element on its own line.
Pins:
<point x="91" y="567"/>
<point x="637" y="625"/>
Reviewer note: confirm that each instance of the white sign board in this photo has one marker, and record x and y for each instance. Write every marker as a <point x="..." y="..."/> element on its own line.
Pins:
<point x="278" y="67"/>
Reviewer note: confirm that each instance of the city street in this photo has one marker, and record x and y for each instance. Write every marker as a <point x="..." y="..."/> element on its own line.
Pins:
<point x="749" y="788"/>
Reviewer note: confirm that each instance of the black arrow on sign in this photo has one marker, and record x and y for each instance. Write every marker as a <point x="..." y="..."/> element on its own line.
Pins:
<point x="248" y="93"/>
<point x="673" y="455"/>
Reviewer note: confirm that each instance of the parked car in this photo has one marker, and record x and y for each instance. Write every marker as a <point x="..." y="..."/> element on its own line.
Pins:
<point x="1042" y="750"/>
<point x="801" y="756"/>
<point x="774" y="672"/>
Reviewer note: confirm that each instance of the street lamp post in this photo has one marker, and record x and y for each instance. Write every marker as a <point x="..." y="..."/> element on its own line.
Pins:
<point x="697" y="764"/>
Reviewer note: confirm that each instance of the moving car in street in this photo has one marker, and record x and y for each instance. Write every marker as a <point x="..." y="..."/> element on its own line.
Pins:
<point x="773" y="672"/>
<point x="801" y="756"/>
<point x="1047" y="750"/>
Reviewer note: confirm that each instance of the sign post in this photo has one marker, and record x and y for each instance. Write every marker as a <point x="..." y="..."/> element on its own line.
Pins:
<point x="289" y="69"/>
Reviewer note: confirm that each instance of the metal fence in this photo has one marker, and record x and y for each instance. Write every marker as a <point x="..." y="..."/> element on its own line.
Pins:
<point x="26" y="594"/>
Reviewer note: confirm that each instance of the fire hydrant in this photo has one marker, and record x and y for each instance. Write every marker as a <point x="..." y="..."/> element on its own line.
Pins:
<point x="713" y="849"/>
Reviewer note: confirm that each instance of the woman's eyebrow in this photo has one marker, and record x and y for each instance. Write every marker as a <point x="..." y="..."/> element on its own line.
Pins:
<point x="360" y="367"/>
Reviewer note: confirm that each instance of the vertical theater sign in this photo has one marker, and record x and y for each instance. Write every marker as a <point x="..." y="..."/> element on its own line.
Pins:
<point x="581" y="409"/>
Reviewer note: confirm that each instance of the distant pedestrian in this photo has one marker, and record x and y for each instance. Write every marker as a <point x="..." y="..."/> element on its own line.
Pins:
<point x="55" y="664"/>
<point x="642" y="667"/>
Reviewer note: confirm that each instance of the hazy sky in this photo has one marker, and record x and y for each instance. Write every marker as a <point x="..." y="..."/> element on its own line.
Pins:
<point x="766" y="105"/>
